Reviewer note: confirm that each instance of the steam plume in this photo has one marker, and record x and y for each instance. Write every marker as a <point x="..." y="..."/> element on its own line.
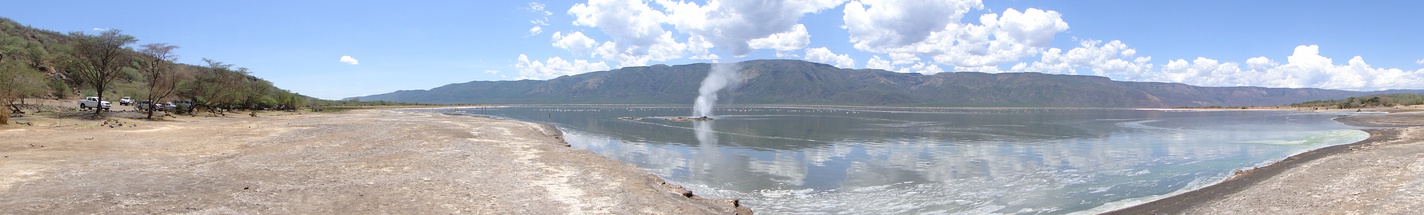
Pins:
<point x="721" y="76"/>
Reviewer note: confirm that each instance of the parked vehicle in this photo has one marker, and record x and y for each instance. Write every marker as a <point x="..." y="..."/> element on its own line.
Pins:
<point x="183" y="106"/>
<point x="93" y="102"/>
<point x="126" y="101"/>
<point x="145" y="105"/>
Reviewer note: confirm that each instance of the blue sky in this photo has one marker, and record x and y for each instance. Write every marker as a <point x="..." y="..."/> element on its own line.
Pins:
<point x="299" y="45"/>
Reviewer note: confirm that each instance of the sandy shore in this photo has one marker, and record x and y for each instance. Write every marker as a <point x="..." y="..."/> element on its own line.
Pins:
<point x="362" y="162"/>
<point x="1380" y="175"/>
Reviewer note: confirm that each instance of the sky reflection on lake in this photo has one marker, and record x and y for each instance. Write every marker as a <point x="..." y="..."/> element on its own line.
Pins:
<point x="938" y="160"/>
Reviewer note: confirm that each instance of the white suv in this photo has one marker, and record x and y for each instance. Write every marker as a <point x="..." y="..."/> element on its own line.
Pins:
<point x="93" y="102"/>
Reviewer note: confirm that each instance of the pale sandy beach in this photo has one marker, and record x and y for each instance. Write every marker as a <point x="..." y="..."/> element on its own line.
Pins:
<point x="357" y="162"/>
<point x="1380" y="175"/>
<point x="387" y="161"/>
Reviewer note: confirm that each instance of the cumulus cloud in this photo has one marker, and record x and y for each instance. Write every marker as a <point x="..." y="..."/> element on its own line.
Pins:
<point x="554" y="67"/>
<point x="348" y="60"/>
<point x="99" y="29"/>
<point x="700" y="48"/>
<point x="922" y="68"/>
<point x="876" y="62"/>
<point x="908" y="30"/>
<point x="785" y="43"/>
<point x="731" y="24"/>
<point x="1420" y="62"/>
<point x="1260" y="63"/>
<point x="1304" y="68"/>
<point x="665" y="48"/>
<point x="1015" y="35"/>
<point x="575" y="43"/>
<point x="1099" y="58"/>
<point x="632" y="23"/>
<point x="911" y="36"/>
<point x="876" y="25"/>
<point x="1032" y="27"/>
<point x="795" y="39"/>
<point x="903" y="58"/>
<point x="638" y="35"/>
<point x="636" y="30"/>
<point x="824" y="55"/>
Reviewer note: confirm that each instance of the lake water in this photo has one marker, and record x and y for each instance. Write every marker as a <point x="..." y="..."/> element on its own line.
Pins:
<point x="798" y="160"/>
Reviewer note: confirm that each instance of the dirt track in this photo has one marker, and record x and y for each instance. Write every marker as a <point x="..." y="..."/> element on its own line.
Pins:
<point x="366" y="161"/>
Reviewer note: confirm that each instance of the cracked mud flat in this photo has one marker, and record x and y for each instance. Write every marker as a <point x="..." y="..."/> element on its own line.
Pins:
<point x="364" y="161"/>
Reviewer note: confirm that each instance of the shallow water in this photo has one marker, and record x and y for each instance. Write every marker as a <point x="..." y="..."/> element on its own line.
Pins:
<point x="938" y="160"/>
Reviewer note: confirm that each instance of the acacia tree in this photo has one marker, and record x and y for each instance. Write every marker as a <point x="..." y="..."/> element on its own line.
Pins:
<point x="97" y="59"/>
<point x="16" y="82"/>
<point x="216" y="85"/>
<point x="158" y="71"/>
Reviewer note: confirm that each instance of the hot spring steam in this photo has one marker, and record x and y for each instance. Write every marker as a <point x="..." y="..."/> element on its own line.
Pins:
<point x="721" y="76"/>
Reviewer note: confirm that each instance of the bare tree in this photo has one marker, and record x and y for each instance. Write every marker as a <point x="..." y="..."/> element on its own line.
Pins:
<point x="98" y="59"/>
<point x="158" y="71"/>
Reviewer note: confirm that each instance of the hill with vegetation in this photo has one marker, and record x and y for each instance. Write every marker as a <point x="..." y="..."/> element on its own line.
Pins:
<point x="1380" y="100"/>
<point x="43" y="64"/>
<point x="37" y="63"/>
<point x="801" y="82"/>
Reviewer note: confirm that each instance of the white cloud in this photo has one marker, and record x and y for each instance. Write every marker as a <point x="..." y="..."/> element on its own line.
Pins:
<point x="1420" y="62"/>
<point x="575" y="42"/>
<point x="554" y="67"/>
<point x="1201" y="71"/>
<point x="910" y="30"/>
<point x="631" y="23"/>
<point x="912" y="36"/>
<point x="1032" y="27"/>
<point x="903" y="58"/>
<point x="731" y="24"/>
<point x="491" y="71"/>
<point x="922" y="68"/>
<point x="1304" y="68"/>
<point x="636" y="29"/>
<point x="1113" y="57"/>
<point x="664" y="49"/>
<point x="824" y="55"/>
<point x="1015" y="35"/>
<point x="538" y="28"/>
<point x="348" y="60"/>
<point x="700" y="48"/>
<point x="787" y="54"/>
<point x="910" y="63"/>
<point x="878" y="25"/>
<point x="538" y="8"/>
<point x="637" y="33"/>
<point x="99" y="29"/>
<point x="795" y="39"/>
<point x="876" y="63"/>
<point x="1260" y="63"/>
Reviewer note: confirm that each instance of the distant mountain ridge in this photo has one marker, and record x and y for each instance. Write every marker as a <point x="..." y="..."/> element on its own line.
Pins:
<point x="801" y="82"/>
